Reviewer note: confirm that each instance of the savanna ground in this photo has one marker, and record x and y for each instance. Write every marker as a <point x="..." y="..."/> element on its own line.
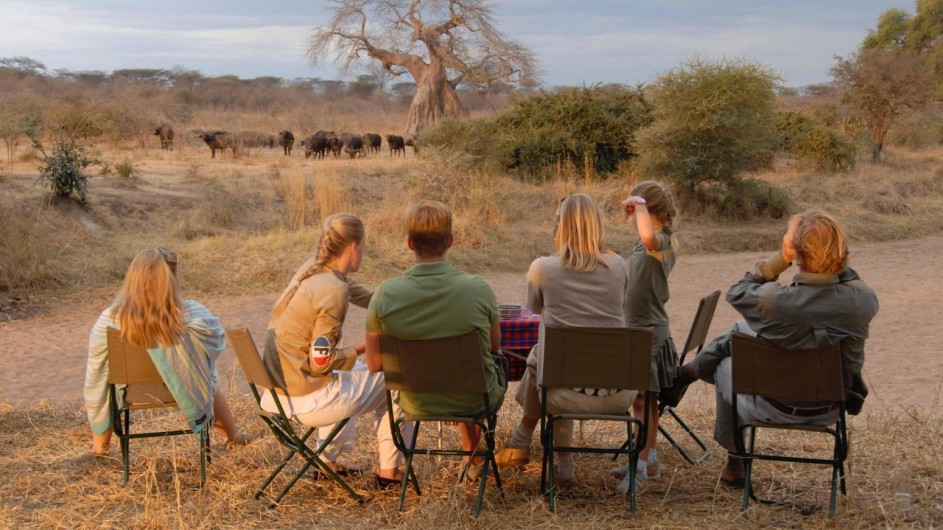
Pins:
<point x="241" y="226"/>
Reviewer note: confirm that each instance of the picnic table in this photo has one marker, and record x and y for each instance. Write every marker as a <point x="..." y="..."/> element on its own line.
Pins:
<point x="518" y="336"/>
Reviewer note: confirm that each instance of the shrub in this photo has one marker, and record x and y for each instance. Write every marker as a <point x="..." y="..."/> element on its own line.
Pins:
<point x="63" y="172"/>
<point x="590" y="129"/>
<point x="749" y="199"/>
<point x="126" y="170"/>
<point x="712" y="121"/>
<point x="813" y="144"/>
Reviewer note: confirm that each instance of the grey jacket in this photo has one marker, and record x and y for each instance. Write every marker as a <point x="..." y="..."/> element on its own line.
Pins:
<point x="814" y="310"/>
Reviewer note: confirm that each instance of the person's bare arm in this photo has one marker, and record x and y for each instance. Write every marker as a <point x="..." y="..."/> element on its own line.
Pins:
<point x="643" y="222"/>
<point x="373" y="354"/>
<point x="496" y="337"/>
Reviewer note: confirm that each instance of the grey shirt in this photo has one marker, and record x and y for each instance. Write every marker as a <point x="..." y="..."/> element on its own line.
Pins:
<point x="814" y="310"/>
<point x="570" y="298"/>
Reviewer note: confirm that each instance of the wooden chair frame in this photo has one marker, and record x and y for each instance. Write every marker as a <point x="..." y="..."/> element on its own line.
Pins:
<point x="585" y="357"/>
<point x="444" y="365"/>
<point x="280" y="423"/>
<point x="815" y="376"/>
<point x="143" y="387"/>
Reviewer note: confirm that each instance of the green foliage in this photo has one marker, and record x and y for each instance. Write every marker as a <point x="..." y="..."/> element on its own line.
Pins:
<point x="891" y="32"/>
<point x="590" y="129"/>
<point x="813" y="144"/>
<point x="63" y="172"/>
<point x="20" y="118"/>
<point x="749" y="199"/>
<point x="712" y="121"/>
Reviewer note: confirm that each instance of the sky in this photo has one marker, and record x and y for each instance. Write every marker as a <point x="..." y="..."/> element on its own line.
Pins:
<point x="576" y="42"/>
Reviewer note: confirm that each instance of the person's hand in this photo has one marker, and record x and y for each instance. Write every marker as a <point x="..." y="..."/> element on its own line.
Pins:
<point x="631" y="203"/>
<point x="361" y="348"/>
<point x="789" y="249"/>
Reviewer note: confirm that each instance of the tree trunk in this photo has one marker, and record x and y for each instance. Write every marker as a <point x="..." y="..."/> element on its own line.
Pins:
<point x="435" y="99"/>
<point x="878" y="144"/>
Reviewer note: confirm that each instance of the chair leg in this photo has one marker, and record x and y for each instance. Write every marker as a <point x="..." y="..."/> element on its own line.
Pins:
<point x="204" y="435"/>
<point x="275" y="473"/>
<point x="705" y="452"/>
<point x="748" y="473"/>
<point x="409" y="469"/>
<point x="125" y="444"/>
<point x="633" y="466"/>
<point x="481" y="488"/>
<point x="490" y="460"/>
<point x="834" y="492"/>
<point x="552" y="485"/>
<point x="291" y="483"/>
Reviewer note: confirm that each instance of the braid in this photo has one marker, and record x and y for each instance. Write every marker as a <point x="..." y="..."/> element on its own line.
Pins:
<point x="338" y="231"/>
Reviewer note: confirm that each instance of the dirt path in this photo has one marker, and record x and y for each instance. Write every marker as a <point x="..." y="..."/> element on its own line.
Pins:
<point x="44" y="357"/>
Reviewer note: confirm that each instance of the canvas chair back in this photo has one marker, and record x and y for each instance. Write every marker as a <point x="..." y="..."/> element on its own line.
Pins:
<point x="248" y="355"/>
<point x="445" y="365"/>
<point x="615" y="358"/>
<point x="132" y="366"/>
<point x="762" y="369"/>
<point x="702" y="323"/>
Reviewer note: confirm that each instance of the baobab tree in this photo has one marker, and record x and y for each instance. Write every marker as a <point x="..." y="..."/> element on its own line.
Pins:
<point x="440" y="43"/>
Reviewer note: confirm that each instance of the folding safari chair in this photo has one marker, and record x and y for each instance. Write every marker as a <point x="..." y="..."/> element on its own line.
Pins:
<point x="697" y="336"/>
<point x="439" y="366"/>
<point x="142" y="387"/>
<point x="612" y="358"/>
<point x="281" y="423"/>
<point x="796" y="376"/>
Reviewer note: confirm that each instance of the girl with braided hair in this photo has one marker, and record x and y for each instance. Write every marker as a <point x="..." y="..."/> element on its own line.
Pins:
<point x="303" y="354"/>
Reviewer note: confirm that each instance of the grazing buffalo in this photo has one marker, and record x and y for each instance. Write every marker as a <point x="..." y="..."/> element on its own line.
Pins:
<point x="220" y="140"/>
<point x="335" y="143"/>
<point x="166" y="133"/>
<point x="372" y="142"/>
<point x="317" y="144"/>
<point x="286" y="140"/>
<point x="412" y="143"/>
<point x="396" y="143"/>
<point x="353" y="145"/>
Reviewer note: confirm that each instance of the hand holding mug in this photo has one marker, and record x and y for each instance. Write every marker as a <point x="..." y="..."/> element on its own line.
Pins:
<point x="631" y="203"/>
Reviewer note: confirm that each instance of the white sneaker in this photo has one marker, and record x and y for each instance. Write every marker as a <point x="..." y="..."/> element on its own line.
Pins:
<point x="641" y="479"/>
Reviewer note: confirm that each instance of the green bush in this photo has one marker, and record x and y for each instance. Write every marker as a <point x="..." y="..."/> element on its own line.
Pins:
<point x="63" y="172"/>
<point x="813" y="144"/>
<point x="712" y="122"/>
<point x="590" y="129"/>
<point x="749" y="199"/>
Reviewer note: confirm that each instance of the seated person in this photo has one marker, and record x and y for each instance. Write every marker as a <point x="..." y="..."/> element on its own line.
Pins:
<point x="431" y="300"/>
<point x="826" y="303"/>
<point x="326" y="388"/>
<point x="581" y="285"/>
<point x="183" y="338"/>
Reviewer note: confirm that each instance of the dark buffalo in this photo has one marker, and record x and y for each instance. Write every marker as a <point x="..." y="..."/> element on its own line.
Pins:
<point x="219" y="140"/>
<point x="166" y="133"/>
<point x="317" y="144"/>
<point x="335" y="143"/>
<point x="286" y="140"/>
<point x="396" y="143"/>
<point x="372" y="142"/>
<point x="353" y="145"/>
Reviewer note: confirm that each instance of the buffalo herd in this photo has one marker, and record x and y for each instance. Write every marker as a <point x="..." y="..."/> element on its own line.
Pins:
<point x="316" y="146"/>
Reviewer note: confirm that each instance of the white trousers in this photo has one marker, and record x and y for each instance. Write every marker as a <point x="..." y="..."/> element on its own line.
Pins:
<point x="350" y="395"/>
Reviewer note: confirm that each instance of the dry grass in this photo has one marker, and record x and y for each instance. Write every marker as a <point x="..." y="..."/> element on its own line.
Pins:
<point x="44" y="482"/>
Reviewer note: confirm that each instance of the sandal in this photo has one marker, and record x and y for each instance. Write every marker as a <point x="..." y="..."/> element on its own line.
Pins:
<point x="384" y="483"/>
<point x="341" y="471"/>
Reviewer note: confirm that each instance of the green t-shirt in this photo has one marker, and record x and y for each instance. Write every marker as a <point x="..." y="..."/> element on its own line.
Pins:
<point x="432" y="301"/>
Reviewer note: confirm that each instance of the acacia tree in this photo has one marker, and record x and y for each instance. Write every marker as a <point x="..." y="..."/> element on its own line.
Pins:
<point x="440" y="43"/>
<point x="880" y="85"/>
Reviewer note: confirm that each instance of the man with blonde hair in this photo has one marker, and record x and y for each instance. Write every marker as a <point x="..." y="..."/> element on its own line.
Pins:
<point x="432" y="300"/>
<point x="826" y="303"/>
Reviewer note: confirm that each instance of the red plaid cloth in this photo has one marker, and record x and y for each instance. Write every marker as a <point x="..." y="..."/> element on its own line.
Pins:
<point x="518" y="336"/>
